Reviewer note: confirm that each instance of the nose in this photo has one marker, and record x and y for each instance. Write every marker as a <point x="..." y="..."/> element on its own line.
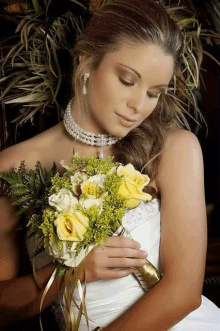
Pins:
<point x="137" y="101"/>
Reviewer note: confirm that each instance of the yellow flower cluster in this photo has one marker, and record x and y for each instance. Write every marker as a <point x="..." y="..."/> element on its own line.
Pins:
<point x="90" y="201"/>
<point x="71" y="226"/>
<point x="132" y="185"/>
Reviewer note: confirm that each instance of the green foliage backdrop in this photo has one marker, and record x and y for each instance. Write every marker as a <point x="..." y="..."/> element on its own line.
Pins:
<point x="36" y="62"/>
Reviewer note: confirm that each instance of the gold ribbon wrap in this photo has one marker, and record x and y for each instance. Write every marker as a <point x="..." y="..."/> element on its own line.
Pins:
<point x="148" y="275"/>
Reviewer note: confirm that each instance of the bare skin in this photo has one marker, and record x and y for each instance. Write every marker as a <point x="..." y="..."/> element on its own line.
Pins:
<point x="180" y="183"/>
<point x="117" y="251"/>
<point x="183" y="249"/>
<point x="175" y="264"/>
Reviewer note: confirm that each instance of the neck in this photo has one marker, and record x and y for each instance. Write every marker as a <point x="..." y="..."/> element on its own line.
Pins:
<point x="85" y="137"/>
<point x="82" y="116"/>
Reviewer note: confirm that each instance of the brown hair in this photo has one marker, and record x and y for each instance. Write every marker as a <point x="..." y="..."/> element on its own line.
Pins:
<point x="139" y="21"/>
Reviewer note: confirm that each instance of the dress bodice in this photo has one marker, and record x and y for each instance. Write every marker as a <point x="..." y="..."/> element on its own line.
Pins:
<point x="146" y="216"/>
<point x="108" y="299"/>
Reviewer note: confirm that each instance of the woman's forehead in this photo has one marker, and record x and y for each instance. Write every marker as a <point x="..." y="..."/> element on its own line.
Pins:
<point x="144" y="59"/>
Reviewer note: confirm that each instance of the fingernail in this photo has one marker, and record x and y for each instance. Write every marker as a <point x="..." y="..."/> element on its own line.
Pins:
<point x="143" y="262"/>
<point x="144" y="253"/>
<point x="138" y="245"/>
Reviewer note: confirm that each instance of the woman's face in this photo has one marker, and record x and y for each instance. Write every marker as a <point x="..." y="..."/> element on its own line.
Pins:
<point x="125" y="88"/>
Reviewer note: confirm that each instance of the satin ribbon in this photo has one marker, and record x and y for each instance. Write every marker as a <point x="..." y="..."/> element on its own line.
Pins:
<point x="148" y="275"/>
<point x="49" y="283"/>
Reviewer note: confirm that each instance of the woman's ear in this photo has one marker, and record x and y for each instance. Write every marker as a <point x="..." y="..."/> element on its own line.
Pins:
<point x="82" y="58"/>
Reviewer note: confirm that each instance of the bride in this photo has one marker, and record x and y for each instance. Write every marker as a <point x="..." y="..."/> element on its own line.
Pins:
<point x="125" y="61"/>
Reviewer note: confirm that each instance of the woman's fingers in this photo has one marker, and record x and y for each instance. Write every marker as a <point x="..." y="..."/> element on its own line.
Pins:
<point x="124" y="263"/>
<point x="124" y="252"/>
<point x="117" y="258"/>
<point x="121" y="242"/>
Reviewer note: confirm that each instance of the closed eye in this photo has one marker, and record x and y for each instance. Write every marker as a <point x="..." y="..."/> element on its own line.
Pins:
<point x="124" y="82"/>
<point x="151" y="95"/>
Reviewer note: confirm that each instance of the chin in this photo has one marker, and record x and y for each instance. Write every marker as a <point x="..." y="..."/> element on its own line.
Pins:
<point x="122" y="132"/>
<point x="119" y="134"/>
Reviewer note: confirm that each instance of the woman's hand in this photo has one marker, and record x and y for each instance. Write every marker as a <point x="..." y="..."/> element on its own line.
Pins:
<point x="118" y="257"/>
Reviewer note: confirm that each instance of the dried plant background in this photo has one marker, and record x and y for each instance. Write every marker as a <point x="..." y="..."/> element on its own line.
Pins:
<point x="36" y="65"/>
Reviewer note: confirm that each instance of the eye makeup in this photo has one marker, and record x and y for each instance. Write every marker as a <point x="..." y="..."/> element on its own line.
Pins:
<point x="152" y="95"/>
<point x="130" y="70"/>
<point x="128" y="77"/>
<point x="124" y="82"/>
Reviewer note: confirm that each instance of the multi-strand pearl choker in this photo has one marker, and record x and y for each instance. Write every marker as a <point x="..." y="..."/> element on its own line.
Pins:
<point x="86" y="137"/>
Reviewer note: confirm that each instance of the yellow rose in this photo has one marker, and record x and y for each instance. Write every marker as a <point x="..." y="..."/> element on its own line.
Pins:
<point x="132" y="185"/>
<point x="71" y="226"/>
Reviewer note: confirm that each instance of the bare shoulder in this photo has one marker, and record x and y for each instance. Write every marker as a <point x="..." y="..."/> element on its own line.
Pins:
<point x="30" y="151"/>
<point x="180" y="145"/>
<point x="180" y="182"/>
<point x="180" y="138"/>
<point x="181" y="156"/>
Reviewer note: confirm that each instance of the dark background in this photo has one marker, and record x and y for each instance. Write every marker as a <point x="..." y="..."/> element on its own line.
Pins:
<point x="10" y="134"/>
<point x="209" y="136"/>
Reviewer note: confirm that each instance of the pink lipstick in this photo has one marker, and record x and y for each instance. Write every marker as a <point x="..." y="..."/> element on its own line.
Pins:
<point x="126" y="121"/>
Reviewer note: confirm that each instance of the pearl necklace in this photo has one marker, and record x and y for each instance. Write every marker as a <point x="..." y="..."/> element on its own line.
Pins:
<point x="86" y="137"/>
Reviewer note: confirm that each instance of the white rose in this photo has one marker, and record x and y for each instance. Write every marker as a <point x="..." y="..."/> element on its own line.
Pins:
<point x="87" y="203"/>
<point x="67" y="255"/>
<point x="91" y="187"/>
<point x="64" y="200"/>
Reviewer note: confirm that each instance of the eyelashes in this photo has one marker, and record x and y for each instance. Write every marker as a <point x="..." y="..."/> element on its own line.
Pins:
<point x="151" y="95"/>
<point x="124" y="82"/>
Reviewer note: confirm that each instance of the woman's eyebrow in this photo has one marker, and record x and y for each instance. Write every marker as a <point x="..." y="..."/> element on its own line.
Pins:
<point x="137" y="73"/>
<point x="161" y="86"/>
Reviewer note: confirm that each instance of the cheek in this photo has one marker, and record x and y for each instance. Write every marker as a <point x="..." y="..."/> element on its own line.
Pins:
<point x="153" y="104"/>
<point x="104" y="92"/>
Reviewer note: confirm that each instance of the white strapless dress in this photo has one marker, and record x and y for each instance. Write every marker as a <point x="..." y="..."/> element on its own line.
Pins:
<point x="108" y="299"/>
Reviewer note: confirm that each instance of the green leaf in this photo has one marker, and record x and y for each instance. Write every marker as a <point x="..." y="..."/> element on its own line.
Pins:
<point x="61" y="271"/>
<point x="20" y="176"/>
<point x="38" y="184"/>
<point x="22" y="210"/>
<point x="22" y="200"/>
<point x="32" y="180"/>
<point x="19" y="191"/>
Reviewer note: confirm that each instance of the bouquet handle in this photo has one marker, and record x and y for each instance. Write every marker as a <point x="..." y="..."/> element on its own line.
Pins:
<point x="148" y="275"/>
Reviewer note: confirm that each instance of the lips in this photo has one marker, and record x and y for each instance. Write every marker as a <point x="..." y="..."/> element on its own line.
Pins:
<point x="127" y="118"/>
<point x="126" y="121"/>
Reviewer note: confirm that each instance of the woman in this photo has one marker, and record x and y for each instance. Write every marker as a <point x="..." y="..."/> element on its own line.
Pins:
<point x="124" y="62"/>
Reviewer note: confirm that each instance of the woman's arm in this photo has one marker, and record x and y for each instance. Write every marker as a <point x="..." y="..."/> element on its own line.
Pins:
<point x="183" y="240"/>
<point x="20" y="296"/>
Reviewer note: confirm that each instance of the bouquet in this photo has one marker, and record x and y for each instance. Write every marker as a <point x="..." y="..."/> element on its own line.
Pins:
<point x="77" y="211"/>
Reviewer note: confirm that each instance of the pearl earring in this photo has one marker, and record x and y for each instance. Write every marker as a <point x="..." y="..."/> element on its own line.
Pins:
<point x="84" y="89"/>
